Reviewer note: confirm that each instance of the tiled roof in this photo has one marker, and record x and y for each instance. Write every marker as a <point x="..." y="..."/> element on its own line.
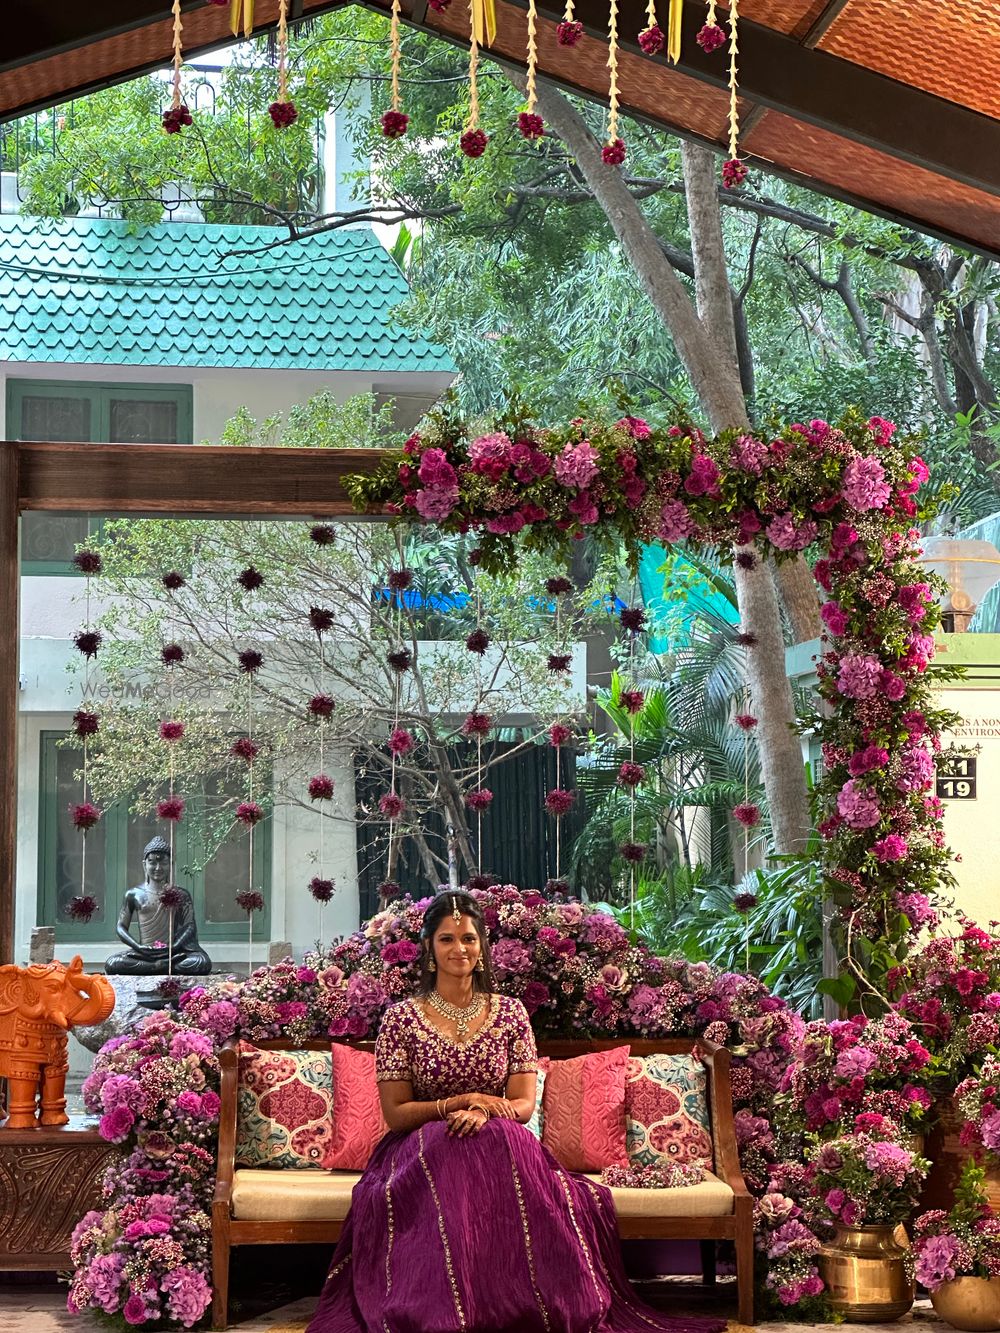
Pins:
<point x="92" y="290"/>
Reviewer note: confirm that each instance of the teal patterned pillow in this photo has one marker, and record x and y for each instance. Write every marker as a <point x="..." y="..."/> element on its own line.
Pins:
<point x="535" y="1123"/>
<point x="666" y="1111"/>
<point x="284" y="1107"/>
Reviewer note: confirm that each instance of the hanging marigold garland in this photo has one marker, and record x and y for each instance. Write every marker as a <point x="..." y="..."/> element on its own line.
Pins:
<point x="734" y="170"/>
<point x="474" y="140"/>
<point x="613" y="152"/>
<point x="529" y="122"/>
<point x="395" y="120"/>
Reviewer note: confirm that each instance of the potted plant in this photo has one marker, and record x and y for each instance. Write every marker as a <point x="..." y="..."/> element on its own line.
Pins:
<point x="865" y="1184"/>
<point x="956" y="1256"/>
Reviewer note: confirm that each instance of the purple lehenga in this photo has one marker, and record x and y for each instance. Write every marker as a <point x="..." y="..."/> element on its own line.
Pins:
<point x="487" y="1233"/>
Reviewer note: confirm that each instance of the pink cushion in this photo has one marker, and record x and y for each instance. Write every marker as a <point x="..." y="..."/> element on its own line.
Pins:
<point x="283" y="1107"/>
<point x="357" y="1113"/>
<point x="583" y="1121"/>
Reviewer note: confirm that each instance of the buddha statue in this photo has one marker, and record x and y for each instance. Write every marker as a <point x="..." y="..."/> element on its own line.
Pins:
<point x="157" y="951"/>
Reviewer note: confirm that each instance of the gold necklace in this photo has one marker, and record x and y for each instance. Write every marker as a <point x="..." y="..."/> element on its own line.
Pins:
<point x="460" y="1015"/>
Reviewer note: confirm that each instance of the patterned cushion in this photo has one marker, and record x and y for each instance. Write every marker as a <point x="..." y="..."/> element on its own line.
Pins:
<point x="666" y="1111"/>
<point x="584" y="1110"/>
<point x="537" y="1117"/>
<point x="284" y="1107"/>
<point x="357" y="1113"/>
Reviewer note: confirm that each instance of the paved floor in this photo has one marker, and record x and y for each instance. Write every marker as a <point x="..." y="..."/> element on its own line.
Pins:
<point x="43" y="1310"/>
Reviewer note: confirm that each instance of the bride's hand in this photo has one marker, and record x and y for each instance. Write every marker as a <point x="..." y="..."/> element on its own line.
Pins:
<point x="499" y="1108"/>
<point x="463" y="1123"/>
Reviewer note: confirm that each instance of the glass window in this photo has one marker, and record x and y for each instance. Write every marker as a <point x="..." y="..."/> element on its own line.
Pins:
<point x="96" y="413"/>
<point x="113" y="850"/>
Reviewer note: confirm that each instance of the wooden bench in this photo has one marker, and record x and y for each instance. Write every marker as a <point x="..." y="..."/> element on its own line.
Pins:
<point x="288" y="1207"/>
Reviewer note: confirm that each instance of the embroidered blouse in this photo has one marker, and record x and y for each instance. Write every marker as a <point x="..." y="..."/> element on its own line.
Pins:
<point x="410" y="1048"/>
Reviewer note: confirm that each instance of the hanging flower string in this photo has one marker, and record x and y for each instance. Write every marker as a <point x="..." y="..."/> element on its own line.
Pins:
<point x="474" y="140"/>
<point x="569" y="32"/>
<point x="652" y="39"/>
<point x="283" y="112"/>
<point x="477" y="725"/>
<point x="711" y="36"/>
<point x="391" y="805"/>
<point x="734" y="171"/>
<point x="177" y="114"/>
<point x="613" y="152"/>
<point x="529" y="122"/>
<point x="633" y="620"/>
<point x="85" y="814"/>
<point x="395" y="120"/>
<point x="249" y="812"/>
<point x="321" y="786"/>
<point x="559" y="800"/>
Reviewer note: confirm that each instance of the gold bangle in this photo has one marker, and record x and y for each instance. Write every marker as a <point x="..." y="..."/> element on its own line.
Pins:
<point x="476" y="1106"/>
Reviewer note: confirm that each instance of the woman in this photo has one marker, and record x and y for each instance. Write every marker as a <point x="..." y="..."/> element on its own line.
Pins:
<point x="462" y="1220"/>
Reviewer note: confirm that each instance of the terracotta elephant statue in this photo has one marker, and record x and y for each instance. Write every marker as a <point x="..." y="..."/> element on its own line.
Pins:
<point x="38" y="1006"/>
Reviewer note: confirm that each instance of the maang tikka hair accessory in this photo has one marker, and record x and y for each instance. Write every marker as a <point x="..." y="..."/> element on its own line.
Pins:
<point x="455" y="913"/>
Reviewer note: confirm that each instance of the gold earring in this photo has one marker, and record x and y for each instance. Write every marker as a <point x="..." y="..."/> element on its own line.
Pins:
<point x="479" y="966"/>
<point x="432" y="966"/>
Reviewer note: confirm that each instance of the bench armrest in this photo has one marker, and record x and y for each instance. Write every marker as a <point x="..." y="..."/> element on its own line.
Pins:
<point x="226" y="1165"/>
<point x="727" y="1158"/>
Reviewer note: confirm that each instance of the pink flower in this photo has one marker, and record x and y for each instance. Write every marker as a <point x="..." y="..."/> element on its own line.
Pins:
<point x="490" y="454"/>
<point x="675" y="522"/>
<point x="171" y="731"/>
<point x="577" y="464"/>
<point x="865" y="486"/>
<point x="435" y="503"/>
<point x="171" y="808"/>
<point x="710" y="37"/>
<point x="857" y="807"/>
<point x="435" y="470"/>
<point x="891" y="685"/>
<point x="863" y="761"/>
<point x="703" y="478"/>
<point x="249" y="813"/>
<point x="320" y="787"/>
<point x="636" y="427"/>
<point x="559" y="734"/>
<point x="891" y="848"/>
<point x="479" y="800"/>
<point x="859" y="676"/>
<point x="882" y="430"/>
<point x="834" y="617"/>
<point x="748" y="815"/>
<point x="630" y="774"/>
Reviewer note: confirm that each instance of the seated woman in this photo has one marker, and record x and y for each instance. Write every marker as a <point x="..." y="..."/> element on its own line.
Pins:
<point x="462" y="1220"/>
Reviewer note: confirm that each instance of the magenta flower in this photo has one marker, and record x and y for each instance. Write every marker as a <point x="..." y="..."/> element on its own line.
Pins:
<point x="675" y="522"/>
<point x="477" y="724"/>
<point x="391" y="805"/>
<point x="244" y="748"/>
<point x="479" y="800"/>
<point x="891" y="848"/>
<point x="632" y="700"/>
<point x="858" y="676"/>
<point x="710" y="37"/>
<point x="321" y="705"/>
<point x="630" y="775"/>
<point x="576" y="465"/>
<point x="747" y="814"/>
<point x="745" y="721"/>
<point x="865" y="486"/>
<point x="85" y="723"/>
<point x="320" y="787"/>
<point x="400" y="741"/>
<point x="84" y="815"/>
<point x="559" y="802"/>
<point x="857" y="807"/>
<point x="559" y="734"/>
<point x="249" y="813"/>
<point x="171" y="808"/>
<point x="321" y="889"/>
<point x="82" y="907"/>
<point x="171" y="731"/>
<point x="250" y="900"/>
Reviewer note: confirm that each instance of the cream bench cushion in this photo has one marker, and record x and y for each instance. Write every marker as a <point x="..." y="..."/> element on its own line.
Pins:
<point x="325" y="1196"/>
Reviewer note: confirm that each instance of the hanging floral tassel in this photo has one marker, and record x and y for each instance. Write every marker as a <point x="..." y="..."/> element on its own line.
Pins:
<point x="283" y="112"/>
<point x="321" y="786"/>
<point x="177" y="115"/>
<point x="559" y="800"/>
<point x="249" y="812"/>
<point x="477" y="725"/>
<point x="613" y="152"/>
<point x="569" y="32"/>
<point x="395" y="121"/>
<point x="652" y="39"/>
<point x="474" y="140"/>
<point x="529" y="122"/>
<point x="734" y="171"/>
<point x="84" y="813"/>
<point x="711" y="36"/>
<point x="391" y="805"/>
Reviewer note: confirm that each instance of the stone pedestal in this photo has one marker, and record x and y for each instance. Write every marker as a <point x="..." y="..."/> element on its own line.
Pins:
<point x="48" y="1179"/>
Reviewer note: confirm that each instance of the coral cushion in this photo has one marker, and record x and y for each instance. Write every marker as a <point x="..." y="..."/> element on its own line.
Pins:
<point x="666" y="1111"/>
<point x="357" y="1113"/>
<point x="583" y="1110"/>
<point x="284" y="1106"/>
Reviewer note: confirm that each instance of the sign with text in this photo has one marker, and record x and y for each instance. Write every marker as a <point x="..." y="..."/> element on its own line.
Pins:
<point x="956" y="780"/>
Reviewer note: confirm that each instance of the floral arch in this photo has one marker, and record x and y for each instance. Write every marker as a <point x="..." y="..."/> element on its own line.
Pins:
<point x="848" y="493"/>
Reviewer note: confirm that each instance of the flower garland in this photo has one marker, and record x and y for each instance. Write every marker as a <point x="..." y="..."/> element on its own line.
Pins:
<point x="249" y="813"/>
<point x="84" y="813"/>
<point x="847" y="491"/>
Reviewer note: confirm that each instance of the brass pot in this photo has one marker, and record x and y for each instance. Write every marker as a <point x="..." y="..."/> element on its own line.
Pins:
<point x="865" y="1274"/>
<point x="969" y="1302"/>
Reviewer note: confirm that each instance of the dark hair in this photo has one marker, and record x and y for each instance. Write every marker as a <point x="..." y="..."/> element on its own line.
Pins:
<point x="443" y="906"/>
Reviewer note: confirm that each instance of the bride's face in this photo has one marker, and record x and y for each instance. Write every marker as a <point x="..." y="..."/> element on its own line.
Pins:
<point x="456" y="947"/>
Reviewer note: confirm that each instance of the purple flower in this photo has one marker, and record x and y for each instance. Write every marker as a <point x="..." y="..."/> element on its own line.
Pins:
<point x="675" y="522"/>
<point x="116" y="1125"/>
<point x="188" y="1294"/>
<point x="435" y="503"/>
<point x="935" y="1260"/>
<point x="858" y="807"/>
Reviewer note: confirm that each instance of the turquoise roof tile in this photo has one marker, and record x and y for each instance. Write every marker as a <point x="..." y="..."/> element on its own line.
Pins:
<point x="91" y="290"/>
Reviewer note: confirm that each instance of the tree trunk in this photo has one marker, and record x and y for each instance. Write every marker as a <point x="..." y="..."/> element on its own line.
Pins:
<point x="706" y="343"/>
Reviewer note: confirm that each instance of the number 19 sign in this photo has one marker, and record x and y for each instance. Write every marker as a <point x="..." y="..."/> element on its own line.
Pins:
<point x="956" y="780"/>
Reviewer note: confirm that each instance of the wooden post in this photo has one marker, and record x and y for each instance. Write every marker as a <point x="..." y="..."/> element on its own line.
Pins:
<point x="10" y="599"/>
